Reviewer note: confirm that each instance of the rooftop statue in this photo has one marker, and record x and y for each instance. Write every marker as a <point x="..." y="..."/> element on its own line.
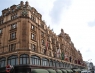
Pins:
<point x="64" y="35"/>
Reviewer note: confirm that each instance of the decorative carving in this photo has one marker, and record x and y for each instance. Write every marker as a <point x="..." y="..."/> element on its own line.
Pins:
<point x="24" y="12"/>
<point x="62" y="33"/>
<point x="65" y="36"/>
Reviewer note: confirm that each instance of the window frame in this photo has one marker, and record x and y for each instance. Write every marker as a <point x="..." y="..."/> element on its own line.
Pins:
<point x="35" y="60"/>
<point x="33" y="47"/>
<point x="12" y="35"/>
<point x="45" y="62"/>
<point x="12" y="26"/>
<point x="12" y="47"/>
<point x="2" y="61"/>
<point x="24" y="57"/>
<point x="13" y="57"/>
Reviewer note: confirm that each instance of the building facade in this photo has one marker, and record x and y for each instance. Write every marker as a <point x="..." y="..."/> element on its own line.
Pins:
<point x="26" y="39"/>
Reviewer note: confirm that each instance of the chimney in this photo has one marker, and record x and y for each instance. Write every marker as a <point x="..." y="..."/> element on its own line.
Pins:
<point x="21" y="3"/>
<point x="26" y="3"/>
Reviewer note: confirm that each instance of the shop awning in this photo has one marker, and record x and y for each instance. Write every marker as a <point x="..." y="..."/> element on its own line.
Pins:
<point x="76" y="69"/>
<point x="39" y="71"/>
<point x="51" y="71"/>
<point x="59" y="71"/>
<point x="69" y="70"/>
<point x="64" y="71"/>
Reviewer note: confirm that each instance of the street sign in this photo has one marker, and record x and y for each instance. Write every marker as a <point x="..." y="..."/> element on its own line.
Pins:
<point x="8" y="68"/>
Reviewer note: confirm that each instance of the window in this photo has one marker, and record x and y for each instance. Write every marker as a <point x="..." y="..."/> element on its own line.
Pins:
<point x="13" y="60"/>
<point x="1" y="21"/>
<point x="61" y="64"/>
<point x="54" y="63"/>
<point x="45" y="62"/>
<point x="13" y="36"/>
<point x="33" y="18"/>
<point x="24" y="59"/>
<point x="57" y="64"/>
<point x="35" y="60"/>
<point x="42" y="34"/>
<point x="0" y="31"/>
<point x="33" y="47"/>
<point x="32" y="27"/>
<point x="51" y="63"/>
<point x="33" y="36"/>
<point x="12" y="47"/>
<point x="43" y="42"/>
<point x="2" y="62"/>
<point x="13" y="26"/>
<point x="14" y="16"/>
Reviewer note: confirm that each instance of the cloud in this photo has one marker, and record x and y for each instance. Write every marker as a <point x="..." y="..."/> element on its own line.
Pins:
<point x="75" y="22"/>
<point x="58" y="6"/>
<point x="91" y="24"/>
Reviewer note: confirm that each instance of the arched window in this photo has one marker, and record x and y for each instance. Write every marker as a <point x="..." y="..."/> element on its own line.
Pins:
<point x="2" y="62"/>
<point x="54" y="63"/>
<point x="24" y="59"/>
<point x="12" y="60"/>
<point x="45" y="62"/>
<point x="66" y="65"/>
<point x="57" y="64"/>
<point x="61" y="64"/>
<point x="35" y="60"/>
<point x="51" y="63"/>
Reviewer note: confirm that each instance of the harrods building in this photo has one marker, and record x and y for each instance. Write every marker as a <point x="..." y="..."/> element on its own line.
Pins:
<point x="25" y="39"/>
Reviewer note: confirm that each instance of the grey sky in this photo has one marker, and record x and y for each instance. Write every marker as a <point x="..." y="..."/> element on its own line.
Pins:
<point x="7" y="3"/>
<point x="91" y="24"/>
<point x="59" y="5"/>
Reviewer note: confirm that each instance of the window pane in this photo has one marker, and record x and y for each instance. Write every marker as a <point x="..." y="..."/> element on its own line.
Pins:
<point x="3" y="64"/>
<point x="20" y="60"/>
<point x="17" y="61"/>
<point x="13" y="62"/>
<point x="24" y="60"/>
<point x="27" y="60"/>
<point x="32" y="59"/>
<point x="9" y="62"/>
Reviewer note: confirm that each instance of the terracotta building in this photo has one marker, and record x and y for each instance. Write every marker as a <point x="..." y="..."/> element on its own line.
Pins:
<point x="26" y="39"/>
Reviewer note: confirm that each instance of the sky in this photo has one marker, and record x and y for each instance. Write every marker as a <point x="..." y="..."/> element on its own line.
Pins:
<point x="75" y="17"/>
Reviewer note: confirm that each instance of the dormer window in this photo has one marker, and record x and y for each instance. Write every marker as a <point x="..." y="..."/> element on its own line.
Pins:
<point x="12" y="10"/>
<point x="33" y="18"/>
<point x="13" y="26"/>
<point x="13" y="16"/>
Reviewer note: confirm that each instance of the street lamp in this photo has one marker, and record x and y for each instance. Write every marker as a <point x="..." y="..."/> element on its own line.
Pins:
<point x="89" y="61"/>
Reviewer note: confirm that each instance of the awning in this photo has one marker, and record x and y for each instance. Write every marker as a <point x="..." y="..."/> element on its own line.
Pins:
<point x="64" y="71"/>
<point x="69" y="70"/>
<point x="76" y="69"/>
<point x="51" y="71"/>
<point x="39" y="71"/>
<point x="59" y="71"/>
